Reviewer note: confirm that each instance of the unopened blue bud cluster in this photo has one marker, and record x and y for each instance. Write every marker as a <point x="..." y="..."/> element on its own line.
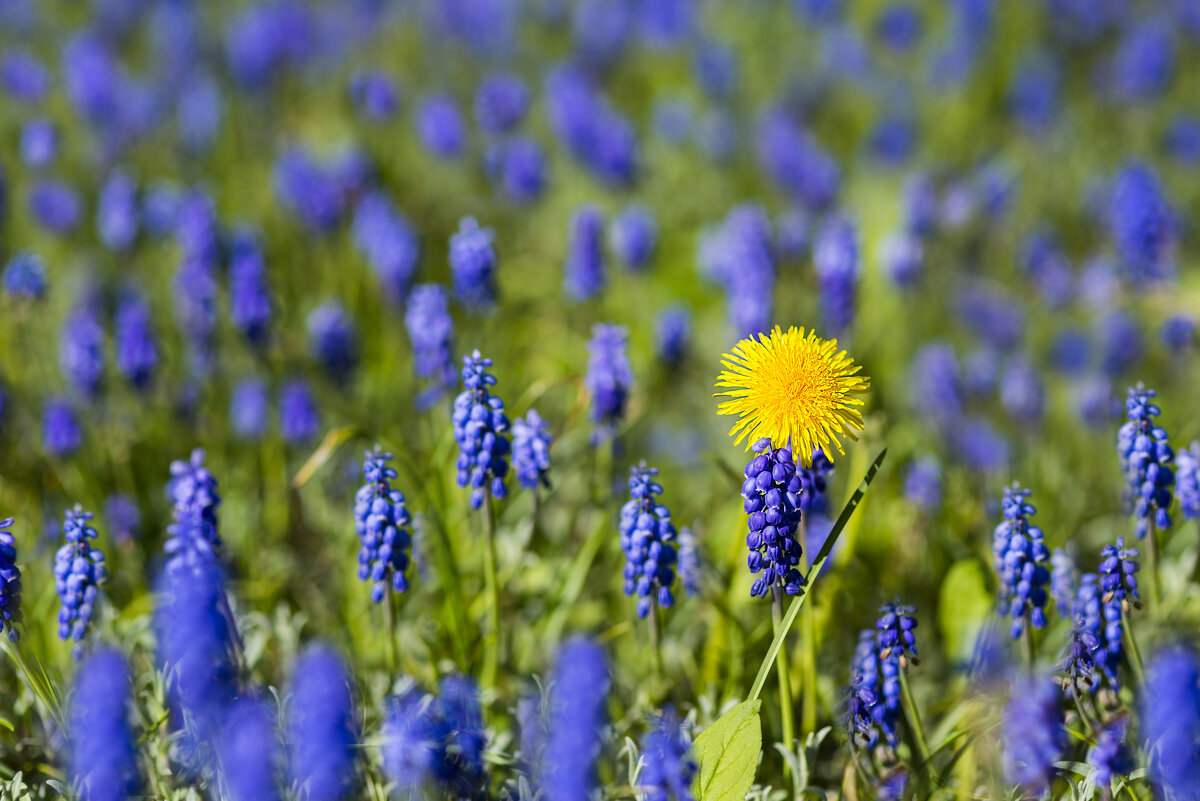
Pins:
<point x="1021" y="559"/>
<point x="1146" y="461"/>
<point x="10" y="582"/>
<point x="1118" y="574"/>
<point x="382" y="522"/>
<point x="481" y="431"/>
<point x="772" y="498"/>
<point x="648" y="540"/>
<point x="79" y="570"/>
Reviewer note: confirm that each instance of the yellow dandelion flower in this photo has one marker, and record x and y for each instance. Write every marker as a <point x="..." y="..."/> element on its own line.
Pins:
<point x="792" y="387"/>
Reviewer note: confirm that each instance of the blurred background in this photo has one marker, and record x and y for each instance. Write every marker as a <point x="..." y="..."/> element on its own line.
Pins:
<point x="228" y="225"/>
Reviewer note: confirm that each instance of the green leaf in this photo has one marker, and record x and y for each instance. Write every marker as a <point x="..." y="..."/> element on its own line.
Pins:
<point x="728" y="752"/>
<point x="965" y="605"/>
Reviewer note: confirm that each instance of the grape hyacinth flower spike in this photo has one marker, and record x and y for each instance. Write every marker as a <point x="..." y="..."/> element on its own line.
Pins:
<point x="1147" y="462"/>
<point x="382" y="522"/>
<point x="1118" y="575"/>
<point x="1021" y="559"/>
<point x="481" y="431"/>
<point x="670" y="766"/>
<point x="10" y="582"/>
<point x="648" y="540"/>
<point x="771" y="498"/>
<point x="79" y="570"/>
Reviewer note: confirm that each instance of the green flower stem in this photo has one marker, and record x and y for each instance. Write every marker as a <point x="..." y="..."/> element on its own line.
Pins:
<point x="491" y="634"/>
<point x="656" y="641"/>
<point x="1135" y="654"/>
<point x="914" y="724"/>
<point x="781" y="665"/>
<point x="1152" y="588"/>
<point x="1027" y="643"/>
<point x="389" y="618"/>
<point x="808" y="654"/>
<point x="810" y="578"/>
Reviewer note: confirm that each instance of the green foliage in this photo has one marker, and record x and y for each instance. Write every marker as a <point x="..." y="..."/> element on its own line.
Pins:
<point x="728" y="752"/>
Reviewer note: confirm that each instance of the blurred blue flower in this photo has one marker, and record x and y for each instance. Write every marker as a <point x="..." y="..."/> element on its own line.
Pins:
<point x="431" y="331"/>
<point x="1187" y="480"/>
<point x="250" y="306"/>
<point x="691" y="563"/>
<point x="123" y="517"/>
<point x="715" y="68"/>
<point x="609" y="380"/>
<point x="473" y="264"/>
<point x="268" y="37"/>
<point x="249" y="409"/>
<point x="55" y="206"/>
<point x="25" y="277"/>
<point x="198" y="112"/>
<point x="1044" y="263"/>
<point x="1022" y="392"/>
<point x="440" y="126"/>
<point x="39" y="143"/>
<point x="298" y="416"/>
<point x="739" y="256"/>
<point x="81" y="350"/>
<point x="374" y="94"/>
<point x="1182" y="140"/>
<point x="583" y="272"/>
<point x="1121" y="340"/>
<point x="134" y="340"/>
<point x="793" y="231"/>
<point x="1142" y="224"/>
<point x="893" y="138"/>
<point x="1035" y="736"/>
<point x="317" y="193"/>
<point x="388" y="241"/>
<point x="670" y="766"/>
<point x="531" y="450"/>
<point x="501" y="102"/>
<point x="333" y="340"/>
<point x="796" y="163"/>
<point x="519" y="169"/>
<point x="601" y="29"/>
<point x="633" y="235"/>
<point x="117" y="213"/>
<point x="1070" y="351"/>
<point x="994" y="316"/>
<point x="594" y="133"/>
<point x="672" y="120"/>
<point x="903" y="258"/>
<point x="1171" y="720"/>
<point x="577" y="712"/>
<point x="1033" y="93"/>
<point x="673" y="333"/>
<point x="920" y="204"/>
<point x="1144" y="60"/>
<point x="923" y="483"/>
<point x="899" y="26"/>
<point x="79" y="570"/>
<point x="61" y="436"/>
<point x="1178" y="333"/>
<point x="160" y="208"/>
<point x="322" y="726"/>
<point x="1063" y="585"/>
<point x="1111" y="755"/>
<point x="248" y="750"/>
<point x="103" y="757"/>
<point x="23" y="76"/>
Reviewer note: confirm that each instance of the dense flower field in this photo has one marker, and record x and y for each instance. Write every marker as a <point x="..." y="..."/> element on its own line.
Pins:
<point x="614" y="399"/>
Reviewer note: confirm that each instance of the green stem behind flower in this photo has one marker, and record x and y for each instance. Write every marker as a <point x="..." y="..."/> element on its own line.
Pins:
<point x="389" y="622"/>
<point x="1135" y="654"/>
<point x="1027" y="643"/>
<point x="781" y="665"/>
<point x="1152" y="589"/>
<point x="491" y="634"/>
<point x="913" y="717"/>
